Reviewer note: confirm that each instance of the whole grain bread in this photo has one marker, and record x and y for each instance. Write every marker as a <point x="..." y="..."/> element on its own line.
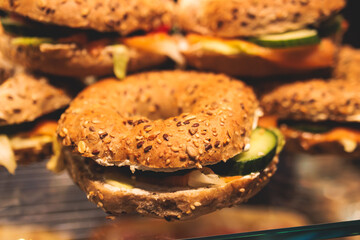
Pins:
<point x="121" y="16"/>
<point x="163" y="121"/>
<point x="169" y="204"/>
<point x="68" y="59"/>
<point x="25" y="97"/>
<point x="314" y="100"/>
<point x="245" y="18"/>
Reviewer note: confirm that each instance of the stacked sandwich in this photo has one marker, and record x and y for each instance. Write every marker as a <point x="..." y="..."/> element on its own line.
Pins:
<point x="170" y="144"/>
<point x="66" y="39"/>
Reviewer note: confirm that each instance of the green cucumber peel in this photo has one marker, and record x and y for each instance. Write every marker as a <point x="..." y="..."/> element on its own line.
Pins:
<point x="296" y="38"/>
<point x="121" y="59"/>
<point x="30" y="41"/>
<point x="264" y="145"/>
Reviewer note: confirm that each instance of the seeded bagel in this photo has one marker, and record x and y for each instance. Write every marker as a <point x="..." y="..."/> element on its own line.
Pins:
<point x="19" y="106"/>
<point x="163" y="121"/>
<point x="168" y="203"/>
<point x="106" y="16"/>
<point x="315" y="100"/>
<point x="239" y="18"/>
<point x="69" y="59"/>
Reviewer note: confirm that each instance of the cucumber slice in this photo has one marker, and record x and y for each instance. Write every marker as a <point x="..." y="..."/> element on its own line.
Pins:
<point x="310" y="127"/>
<point x="263" y="147"/>
<point x="30" y="41"/>
<point x="289" y="39"/>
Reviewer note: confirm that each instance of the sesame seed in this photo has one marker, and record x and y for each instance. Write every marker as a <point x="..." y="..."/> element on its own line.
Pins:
<point x="195" y="125"/>
<point x="148" y="128"/>
<point x="217" y="144"/>
<point x="197" y="204"/>
<point x="92" y="129"/>
<point x="178" y="124"/>
<point x="159" y="140"/>
<point x="152" y="137"/>
<point x="242" y="190"/>
<point x="81" y="147"/>
<point x="190" y="117"/>
<point x="175" y="149"/>
<point x="191" y="151"/>
<point x="139" y="137"/>
<point x="101" y="196"/>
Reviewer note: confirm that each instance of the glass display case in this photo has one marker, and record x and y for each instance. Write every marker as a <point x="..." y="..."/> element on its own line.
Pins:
<point x="309" y="197"/>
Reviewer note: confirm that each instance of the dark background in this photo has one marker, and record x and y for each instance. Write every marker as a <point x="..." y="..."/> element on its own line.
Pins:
<point x="352" y="15"/>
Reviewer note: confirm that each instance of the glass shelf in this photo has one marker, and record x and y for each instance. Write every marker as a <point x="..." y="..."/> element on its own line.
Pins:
<point x="308" y="198"/>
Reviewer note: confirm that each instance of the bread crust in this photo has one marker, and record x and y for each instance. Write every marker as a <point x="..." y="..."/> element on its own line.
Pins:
<point x="348" y="64"/>
<point x="237" y="65"/>
<point x="239" y="18"/>
<point x="74" y="61"/>
<point x="314" y="100"/>
<point x="25" y="97"/>
<point x="163" y="121"/>
<point x="111" y="15"/>
<point x="177" y="205"/>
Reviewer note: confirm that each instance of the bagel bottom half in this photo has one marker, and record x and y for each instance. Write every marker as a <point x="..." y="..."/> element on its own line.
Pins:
<point x="170" y="203"/>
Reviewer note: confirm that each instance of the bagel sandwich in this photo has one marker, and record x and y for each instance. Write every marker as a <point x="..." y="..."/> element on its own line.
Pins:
<point x="261" y="38"/>
<point x="27" y="127"/>
<point x="319" y="116"/>
<point x="172" y="144"/>
<point x="81" y="38"/>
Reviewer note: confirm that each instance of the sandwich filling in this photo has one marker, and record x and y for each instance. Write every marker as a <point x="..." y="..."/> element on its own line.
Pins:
<point x="304" y="49"/>
<point x="265" y="145"/>
<point x="20" y="140"/>
<point x="312" y="133"/>
<point x="31" y="33"/>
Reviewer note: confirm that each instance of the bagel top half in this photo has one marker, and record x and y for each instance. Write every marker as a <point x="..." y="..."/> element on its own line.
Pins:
<point x="119" y="16"/>
<point x="161" y="121"/>
<point x="245" y="18"/>
<point x="319" y="115"/>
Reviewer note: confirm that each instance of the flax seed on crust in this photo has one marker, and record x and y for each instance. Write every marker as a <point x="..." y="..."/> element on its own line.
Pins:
<point x="105" y="16"/>
<point x="236" y="18"/>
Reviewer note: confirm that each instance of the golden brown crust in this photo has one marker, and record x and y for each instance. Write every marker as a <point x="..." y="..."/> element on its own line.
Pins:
<point x="348" y="64"/>
<point x="180" y="205"/>
<point x="25" y="97"/>
<point x="74" y="61"/>
<point x="314" y="100"/>
<point x="111" y="15"/>
<point x="235" y="18"/>
<point x="161" y="120"/>
<point x="237" y="65"/>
